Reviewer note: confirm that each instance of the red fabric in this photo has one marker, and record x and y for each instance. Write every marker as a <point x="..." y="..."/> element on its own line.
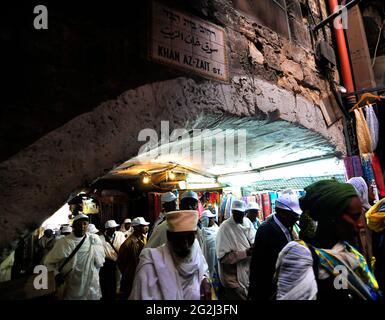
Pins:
<point x="200" y="209"/>
<point x="258" y="198"/>
<point x="266" y="205"/>
<point x="378" y="175"/>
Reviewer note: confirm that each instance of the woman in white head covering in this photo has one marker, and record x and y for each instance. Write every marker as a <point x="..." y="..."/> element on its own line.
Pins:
<point x="362" y="190"/>
<point x="365" y="234"/>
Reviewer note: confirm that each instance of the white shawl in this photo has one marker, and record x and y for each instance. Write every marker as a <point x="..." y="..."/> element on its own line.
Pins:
<point x="162" y="276"/>
<point x="82" y="280"/>
<point x="296" y="280"/>
<point x="232" y="237"/>
<point x="209" y="250"/>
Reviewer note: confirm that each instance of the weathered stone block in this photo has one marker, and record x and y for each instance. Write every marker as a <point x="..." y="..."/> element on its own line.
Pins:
<point x="292" y="68"/>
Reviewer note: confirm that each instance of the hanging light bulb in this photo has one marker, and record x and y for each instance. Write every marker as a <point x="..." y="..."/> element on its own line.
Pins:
<point x="146" y="178"/>
<point x="171" y="175"/>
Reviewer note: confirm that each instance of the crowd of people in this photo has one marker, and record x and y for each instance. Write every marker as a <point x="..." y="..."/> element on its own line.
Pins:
<point x="334" y="232"/>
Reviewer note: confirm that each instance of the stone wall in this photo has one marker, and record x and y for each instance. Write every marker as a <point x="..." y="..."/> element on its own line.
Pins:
<point x="88" y="89"/>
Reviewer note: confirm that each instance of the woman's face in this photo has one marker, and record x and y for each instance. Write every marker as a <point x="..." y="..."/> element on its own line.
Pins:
<point x="350" y="222"/>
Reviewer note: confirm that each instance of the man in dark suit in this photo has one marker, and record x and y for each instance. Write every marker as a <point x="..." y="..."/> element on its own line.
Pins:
<point x="271" y="237"/>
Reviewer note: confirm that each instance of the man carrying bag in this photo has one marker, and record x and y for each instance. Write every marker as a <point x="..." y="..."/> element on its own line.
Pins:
<point x="77" y="259"/>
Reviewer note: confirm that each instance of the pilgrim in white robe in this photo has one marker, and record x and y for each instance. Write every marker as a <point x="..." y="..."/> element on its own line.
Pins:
<point x="82" y="271"/>
<point x="161" y="275"/>
<point x="235" y="238"/>
<point x="209" y="235"/>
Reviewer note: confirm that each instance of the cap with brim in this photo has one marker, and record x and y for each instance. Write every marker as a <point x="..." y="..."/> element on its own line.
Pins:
<point x="127" y="221"/>
<point x="208" y="214"/>
<point x="92" y="228"/>
<point x="182" y="221"/>
<point x="189" y="194"/>
<point x="238" y="205"/>
<point x="81" y="216"/>
<point x="253" y="206"/>
<point x="110" y="224"/>
<point x="139" y="221"/>
<point x="289" y="201"/>
<point x="168" y="197"/>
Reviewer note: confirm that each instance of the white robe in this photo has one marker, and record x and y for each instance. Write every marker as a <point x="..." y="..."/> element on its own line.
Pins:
<point x="158" y="236"/>
<point x="82" y="280"/>
<point x="209" y="235"/>
<point x="160" y="275"/>
<point x="295" y="275"/>
<point x="232" y="237"/>
<point x="117" y="242"/>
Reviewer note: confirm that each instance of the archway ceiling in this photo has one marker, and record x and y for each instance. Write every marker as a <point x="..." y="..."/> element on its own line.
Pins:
<point x="265" y="143"/>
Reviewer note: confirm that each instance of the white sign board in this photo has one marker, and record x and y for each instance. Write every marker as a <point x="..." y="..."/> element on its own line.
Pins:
<point x="187" y="42"/>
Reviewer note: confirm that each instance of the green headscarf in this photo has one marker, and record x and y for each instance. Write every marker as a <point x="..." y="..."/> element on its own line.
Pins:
<point x="326" y="199"/>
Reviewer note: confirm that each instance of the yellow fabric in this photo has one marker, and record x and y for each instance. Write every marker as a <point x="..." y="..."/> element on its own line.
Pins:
<point x="363" y="133"/>
<point x="376" y="219"/>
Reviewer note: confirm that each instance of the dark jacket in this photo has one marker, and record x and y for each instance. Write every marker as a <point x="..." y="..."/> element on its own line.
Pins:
<point x="269" y="241"/>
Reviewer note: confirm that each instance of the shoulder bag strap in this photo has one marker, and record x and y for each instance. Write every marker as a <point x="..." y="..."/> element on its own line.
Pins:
<point x="72" y="253"/>
<point x="109" y="241"/>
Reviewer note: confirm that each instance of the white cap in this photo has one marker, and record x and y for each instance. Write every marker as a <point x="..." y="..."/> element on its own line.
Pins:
<point x="168" y="197"/>
<point x="288" y="200"/>
<point x="110" y="224"/>
<point x="189" y="194"/>
<point x="139" y="221"/>
<point x="127" y="220"/>
<point x="80" y="216"/>
<point x="208" y="214"/>
<point x="92" y="228"/>
<point x="253" y="206"/>
<point x="238" y="205"/>
<point x="66" y="229"/>
<point x="182" y="221"/>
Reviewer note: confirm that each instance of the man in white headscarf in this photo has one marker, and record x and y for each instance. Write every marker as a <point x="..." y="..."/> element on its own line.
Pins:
<point x="235" y="240"/>
<point x="126" y="228"/>
<point x="76" y="260"/>
<point x="176" y="270"/>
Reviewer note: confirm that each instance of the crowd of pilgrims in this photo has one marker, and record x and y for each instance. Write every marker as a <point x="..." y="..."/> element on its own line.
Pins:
<point x="186" y="257"/>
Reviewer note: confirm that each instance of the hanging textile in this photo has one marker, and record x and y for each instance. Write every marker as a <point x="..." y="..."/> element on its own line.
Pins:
<point x="349" y="172"/>
<point x="353" y="167"/>
<point x="363" y="134"/>
<point x="367" y="170"/>
<point x="258" y="199"/>
<point x="229" y="203"/>
<point x="379" y="178"/>
<point x="200" y="208"/>
<point x="357" y="166"/>
<point x="373" y="125"/>
<point x="273" y="197"/>
<point x="266" y="205"/>
<point x="380" y="151"/>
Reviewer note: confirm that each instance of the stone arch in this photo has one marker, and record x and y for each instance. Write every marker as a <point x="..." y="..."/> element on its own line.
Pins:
<point x="37" y="180"/>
